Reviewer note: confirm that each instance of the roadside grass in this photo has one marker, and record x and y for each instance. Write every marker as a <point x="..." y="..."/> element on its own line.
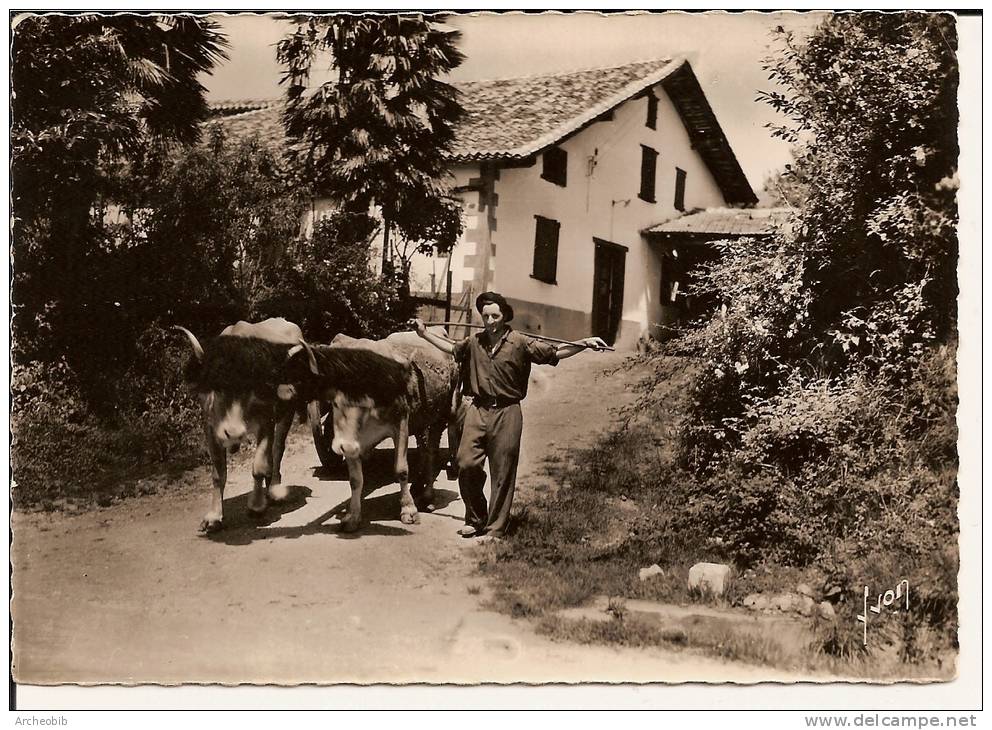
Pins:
<point x="608" y="511"/>
<point x="94" y="466"/>
<point x="79" y="467"/>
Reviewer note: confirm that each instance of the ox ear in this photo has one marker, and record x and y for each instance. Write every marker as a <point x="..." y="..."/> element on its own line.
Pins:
<point x="197" y="348"/>
<point x="295" y="350"/>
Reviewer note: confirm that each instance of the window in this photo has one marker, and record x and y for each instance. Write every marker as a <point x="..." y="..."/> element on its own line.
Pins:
<point x="546" y="250"/>
<point x="555" y="166"/>
<point x="649" y="165"/>
<point x="679" y="189"/>
<point x="652" y="121"/>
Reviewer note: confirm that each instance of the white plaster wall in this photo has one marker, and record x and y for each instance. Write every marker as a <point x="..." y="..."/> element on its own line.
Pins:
<point x="422" y="266"/>
<point x="603" y="204"/>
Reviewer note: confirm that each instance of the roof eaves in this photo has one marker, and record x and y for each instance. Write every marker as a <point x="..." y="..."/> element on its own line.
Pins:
<point x="703" y="236"/>
<point x="590" y="114"/>
<point x="707" y="136"/>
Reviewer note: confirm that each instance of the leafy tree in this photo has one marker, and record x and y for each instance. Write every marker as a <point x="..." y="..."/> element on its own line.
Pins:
<point x="86" y="89"/>
<point x="189" y="234"/>
<point x="872" y="98"/>
<point x="377" y="131"/>
<point x="824" y="407"/>
<point x="332" y="285"/>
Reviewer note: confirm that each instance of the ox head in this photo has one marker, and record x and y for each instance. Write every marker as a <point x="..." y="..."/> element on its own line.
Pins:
<point x="236" y="379"/>
<point x="359" y="384"/>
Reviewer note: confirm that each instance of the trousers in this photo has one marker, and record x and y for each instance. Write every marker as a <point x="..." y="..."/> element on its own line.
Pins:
<point x="493" y="434"/>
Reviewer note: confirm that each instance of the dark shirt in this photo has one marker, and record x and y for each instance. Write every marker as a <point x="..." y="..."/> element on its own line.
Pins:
<point x="502" y="374"/>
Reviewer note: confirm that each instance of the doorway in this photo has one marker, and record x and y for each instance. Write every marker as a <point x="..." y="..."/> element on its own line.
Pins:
<point x="607" y="289"/>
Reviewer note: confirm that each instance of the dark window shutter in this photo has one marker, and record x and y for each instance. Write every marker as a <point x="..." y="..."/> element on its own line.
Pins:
<point x="649" y="166"/>
<point x="652" y="121"/>
<point x="546" y="249"/>
<point x="679" y="189"/>
<point x="555" y="166"/>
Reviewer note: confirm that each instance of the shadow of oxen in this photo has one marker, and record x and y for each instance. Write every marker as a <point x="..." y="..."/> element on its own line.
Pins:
<point x="243" y="528"/>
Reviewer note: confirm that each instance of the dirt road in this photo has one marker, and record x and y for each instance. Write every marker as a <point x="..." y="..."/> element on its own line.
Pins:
<point x="132" y="594"/>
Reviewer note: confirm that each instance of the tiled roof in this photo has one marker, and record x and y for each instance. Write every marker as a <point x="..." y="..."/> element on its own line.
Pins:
<point x="247" y="118"/>
<point x="726" y="222"/>
<point x="515" y="118"/>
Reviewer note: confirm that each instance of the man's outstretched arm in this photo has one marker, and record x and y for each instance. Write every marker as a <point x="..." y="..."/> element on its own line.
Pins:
<point x="589" y="343"/>
<point x="439" y="342"/>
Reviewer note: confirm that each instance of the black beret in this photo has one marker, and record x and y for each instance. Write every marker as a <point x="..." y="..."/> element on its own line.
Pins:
<point x="491" y="297"/>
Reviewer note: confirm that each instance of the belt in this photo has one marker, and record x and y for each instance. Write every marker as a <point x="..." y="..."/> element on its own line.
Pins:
<point x="488" y="401"/>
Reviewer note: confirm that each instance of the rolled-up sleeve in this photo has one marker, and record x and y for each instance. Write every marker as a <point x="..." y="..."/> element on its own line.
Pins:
<point x="460" y="350"/>
<point x="542" y="353"/>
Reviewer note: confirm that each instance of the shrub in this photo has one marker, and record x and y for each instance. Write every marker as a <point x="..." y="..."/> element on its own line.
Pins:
<point x="333" y="285"/>
<point x="61" y="452"/>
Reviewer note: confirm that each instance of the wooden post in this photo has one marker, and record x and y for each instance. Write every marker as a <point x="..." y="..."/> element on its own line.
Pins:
<point x="447" y="296"/>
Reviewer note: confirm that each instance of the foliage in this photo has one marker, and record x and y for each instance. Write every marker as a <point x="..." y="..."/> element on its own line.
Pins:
<point x="821" y="427"/>
<point x="786" y="188"/>
<point x="333" y="284"/>
<point x="213" y="221"/>
<point x="190" y="236"/>
<point x="201" y="237"/>
<point x="872" y="100"/>
<point x="87" y="89"/>
<point x="378" y="130"/>
<point x="64" y="451"/>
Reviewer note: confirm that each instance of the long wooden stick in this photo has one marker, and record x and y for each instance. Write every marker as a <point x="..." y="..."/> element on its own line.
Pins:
<point x="529" y="334"/>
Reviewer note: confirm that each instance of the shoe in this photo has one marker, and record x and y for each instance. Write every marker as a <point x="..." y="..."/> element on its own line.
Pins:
<point x="470" y="531"/>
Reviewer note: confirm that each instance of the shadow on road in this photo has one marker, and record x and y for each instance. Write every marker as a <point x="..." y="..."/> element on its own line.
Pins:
<point x="248" y="535"/>
<point x="236" y="514"/>
<point x="378" y="468"/>
<point x="242" y="528"/>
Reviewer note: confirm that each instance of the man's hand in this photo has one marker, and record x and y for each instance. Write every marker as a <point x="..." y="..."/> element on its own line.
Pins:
<point x="417" y="325"/>
<point x="594" y="343"/>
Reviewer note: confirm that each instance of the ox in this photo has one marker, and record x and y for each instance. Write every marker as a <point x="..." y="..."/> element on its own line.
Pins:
<point x="237" y="378"/>
<point x="378" y="389"/>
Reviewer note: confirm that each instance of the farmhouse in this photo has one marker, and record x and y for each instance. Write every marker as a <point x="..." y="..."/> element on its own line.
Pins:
<point x="563" y="180"/>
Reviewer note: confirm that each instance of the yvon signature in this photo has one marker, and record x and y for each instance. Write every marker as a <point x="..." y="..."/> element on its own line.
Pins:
<point x="888" y="598"/>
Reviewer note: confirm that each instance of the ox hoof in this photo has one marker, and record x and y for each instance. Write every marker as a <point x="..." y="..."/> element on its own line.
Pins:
<point x="210" y="524"/>
<point x="278" y="493"/>
<point x="256" y="511"/>
<point x="409" y="517"/>
<point x="350" y="525"/>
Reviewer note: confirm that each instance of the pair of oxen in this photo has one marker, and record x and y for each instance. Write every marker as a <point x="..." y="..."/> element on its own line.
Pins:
<point x="255" y="377"/>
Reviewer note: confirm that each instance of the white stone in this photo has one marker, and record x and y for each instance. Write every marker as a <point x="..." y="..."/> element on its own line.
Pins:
<point x="647" y="573"/>
<point x="784" y="601"/>
<point x="709" y="578"/>
<point x="756" y="602"/>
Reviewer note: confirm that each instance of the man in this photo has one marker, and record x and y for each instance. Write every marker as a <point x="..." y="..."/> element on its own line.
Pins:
<point x="495" y="369"/>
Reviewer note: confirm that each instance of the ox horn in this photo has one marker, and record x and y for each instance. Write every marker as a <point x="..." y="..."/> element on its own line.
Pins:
<point x="197" y="347"/>
<point x="295" y="349"/>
